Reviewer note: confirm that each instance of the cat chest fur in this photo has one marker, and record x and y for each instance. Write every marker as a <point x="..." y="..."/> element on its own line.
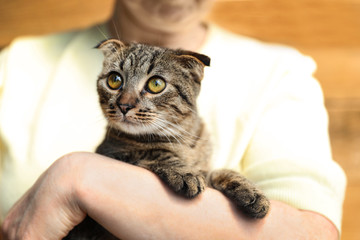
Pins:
<point x="186" y="151"/>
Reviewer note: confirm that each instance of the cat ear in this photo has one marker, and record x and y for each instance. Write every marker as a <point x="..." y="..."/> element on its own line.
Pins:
<point x="203" y="59"/>
<point x="110" y="46"/>
<point x="193" y="62"/>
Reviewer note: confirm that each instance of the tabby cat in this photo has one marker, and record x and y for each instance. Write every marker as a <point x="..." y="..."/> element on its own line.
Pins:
<point x="148" y="95"/>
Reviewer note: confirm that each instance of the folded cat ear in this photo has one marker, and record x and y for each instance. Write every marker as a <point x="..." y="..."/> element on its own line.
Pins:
<point x="203" y="59"/>
<point x="193" y="62"/>
<point x="110" y="46"/>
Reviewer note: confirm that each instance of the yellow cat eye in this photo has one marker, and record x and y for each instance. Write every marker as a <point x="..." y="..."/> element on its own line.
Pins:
<point x="155" y="85"/>
<point x="114" y="81"/>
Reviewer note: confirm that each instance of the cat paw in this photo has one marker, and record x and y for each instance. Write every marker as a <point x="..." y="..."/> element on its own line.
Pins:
<point x="187" y="184"/>
<point x="257" y="207"/>
<point x="241" y="191"/>
<point x="247" y="198"/>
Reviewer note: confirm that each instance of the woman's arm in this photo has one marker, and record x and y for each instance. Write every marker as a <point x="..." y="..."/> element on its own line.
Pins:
<point x="133" y="203"/>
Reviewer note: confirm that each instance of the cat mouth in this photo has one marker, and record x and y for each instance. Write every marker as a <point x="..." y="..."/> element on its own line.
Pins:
<point x="123" y="120"/>
<point x="133" y="126"/>
<point x="127" y="124"/>
<point x="128" y="121"/>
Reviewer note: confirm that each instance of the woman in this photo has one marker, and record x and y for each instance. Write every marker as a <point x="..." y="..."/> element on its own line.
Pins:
<point x="259" y="101"/>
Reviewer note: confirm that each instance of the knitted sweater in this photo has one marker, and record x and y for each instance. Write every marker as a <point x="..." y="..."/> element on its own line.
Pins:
<point x="260" y="102"/>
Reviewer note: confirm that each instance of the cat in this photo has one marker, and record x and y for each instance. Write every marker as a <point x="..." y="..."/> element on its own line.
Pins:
<point x="148" y="96"/>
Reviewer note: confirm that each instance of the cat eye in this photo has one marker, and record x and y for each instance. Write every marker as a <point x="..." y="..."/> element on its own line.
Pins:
<point x="114" y="81"/>
<point x="155" y="85"/>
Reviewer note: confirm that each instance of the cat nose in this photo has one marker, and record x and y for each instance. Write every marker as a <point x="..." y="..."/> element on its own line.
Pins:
<point x="124" y="108"/>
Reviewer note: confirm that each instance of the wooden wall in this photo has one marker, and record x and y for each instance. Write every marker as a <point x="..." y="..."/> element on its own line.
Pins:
<point x="35" y="17"/>
<point x="328" y="30"/>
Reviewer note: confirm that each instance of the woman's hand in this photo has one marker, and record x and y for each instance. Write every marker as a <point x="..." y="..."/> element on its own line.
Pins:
<point x="49" y="209"/>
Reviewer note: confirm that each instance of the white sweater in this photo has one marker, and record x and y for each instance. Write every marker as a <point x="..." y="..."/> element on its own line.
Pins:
<point x="260" y="102"/>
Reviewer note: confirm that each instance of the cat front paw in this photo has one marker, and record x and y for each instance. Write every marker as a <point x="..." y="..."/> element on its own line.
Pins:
<point x="187" y="184"/>
<point x="244" y="194"/>
<point x="258" y="206"/>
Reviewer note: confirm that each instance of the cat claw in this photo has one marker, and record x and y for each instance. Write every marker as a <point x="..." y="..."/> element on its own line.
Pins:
<point x="258" y="208"/>
<point x="187" y="184"/>
<point x="193" y="185"/>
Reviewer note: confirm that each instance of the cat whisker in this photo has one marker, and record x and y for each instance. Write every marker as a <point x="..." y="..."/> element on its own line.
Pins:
<point x="175" y="133"/>
<point x="99" y="118"/>
<point x="107" y="134"/>
<point x="171" y="132"/>
<point x="107" y="37"/>
<point x="187" y="138"/>
<point x="102" y="32"/>
<point x="149" y="133"/>
<point x="180" y="129"/>
<point x="162" y="128"/>
<point x="115" y="27"/>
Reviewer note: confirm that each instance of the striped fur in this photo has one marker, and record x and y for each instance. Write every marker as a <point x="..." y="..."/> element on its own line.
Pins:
<point x="162" y="132"/>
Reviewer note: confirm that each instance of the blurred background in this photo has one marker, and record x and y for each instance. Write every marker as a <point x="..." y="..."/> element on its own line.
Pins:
<point x="327" y="30"/>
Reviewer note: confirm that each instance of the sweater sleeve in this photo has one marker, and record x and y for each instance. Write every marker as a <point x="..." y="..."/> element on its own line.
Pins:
<point x="289" y="155"/>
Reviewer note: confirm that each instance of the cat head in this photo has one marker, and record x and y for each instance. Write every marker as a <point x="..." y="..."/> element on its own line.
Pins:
<point x="149" y="90"/>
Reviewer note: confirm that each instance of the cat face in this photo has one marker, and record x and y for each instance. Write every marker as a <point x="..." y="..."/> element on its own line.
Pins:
<point x="149" y="90"/>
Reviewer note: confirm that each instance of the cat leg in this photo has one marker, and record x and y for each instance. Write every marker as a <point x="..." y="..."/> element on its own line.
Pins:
<point x="88" y="229"/>
<point x="241" y="191"/>
<point x="181" y="179"/>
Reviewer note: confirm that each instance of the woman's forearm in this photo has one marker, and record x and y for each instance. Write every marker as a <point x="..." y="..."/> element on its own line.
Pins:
<point x="133" y="203"/>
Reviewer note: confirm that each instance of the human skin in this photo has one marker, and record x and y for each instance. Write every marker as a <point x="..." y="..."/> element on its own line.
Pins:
<point x="153" y="22"/>
<point x="133" y="203"/>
